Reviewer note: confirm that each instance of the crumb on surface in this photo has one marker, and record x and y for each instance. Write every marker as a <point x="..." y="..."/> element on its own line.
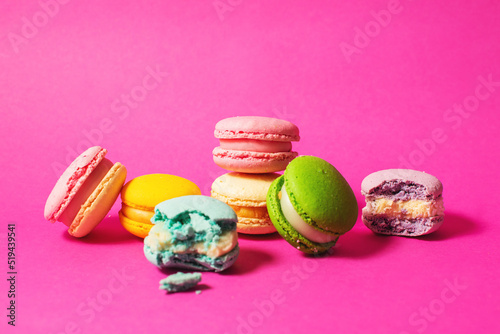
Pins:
<point x="180" y="282"/>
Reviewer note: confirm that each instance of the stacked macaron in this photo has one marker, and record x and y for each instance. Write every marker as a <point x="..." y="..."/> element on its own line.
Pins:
<point x="253" y="148"/>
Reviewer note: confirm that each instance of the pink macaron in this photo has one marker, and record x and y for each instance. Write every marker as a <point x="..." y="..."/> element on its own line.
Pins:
<point x="254" y="144"/>
<point x="85" y="192"/>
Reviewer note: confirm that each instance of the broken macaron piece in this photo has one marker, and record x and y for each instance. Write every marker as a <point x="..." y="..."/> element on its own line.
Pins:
<point x="180" y="282"/>
<point x="402" y="202"/>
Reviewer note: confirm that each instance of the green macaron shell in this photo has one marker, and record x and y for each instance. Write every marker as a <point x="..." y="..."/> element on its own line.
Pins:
<point x="283" y="226"/>
<point x="321" y="195"/>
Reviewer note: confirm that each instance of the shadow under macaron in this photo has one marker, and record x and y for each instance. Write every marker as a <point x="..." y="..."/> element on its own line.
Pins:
<point x="108" y="231"/>
<point x="358" y="243"/>
<point x="260" y="237"/>
<point x="249" y="260"/>
<point x="454" y="226"/>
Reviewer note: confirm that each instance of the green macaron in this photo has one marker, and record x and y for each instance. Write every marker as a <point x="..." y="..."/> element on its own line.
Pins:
<point x="311" y="205"/>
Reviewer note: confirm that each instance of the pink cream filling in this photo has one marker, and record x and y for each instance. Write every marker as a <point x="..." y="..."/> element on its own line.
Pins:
<point x="255" y="145"/>
<point x="85" y="191"/>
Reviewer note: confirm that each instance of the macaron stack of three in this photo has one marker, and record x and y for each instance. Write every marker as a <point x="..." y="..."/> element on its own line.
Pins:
<point x="253" y="149"/>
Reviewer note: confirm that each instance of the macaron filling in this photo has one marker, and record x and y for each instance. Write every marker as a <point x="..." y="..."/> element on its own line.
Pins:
<point x="250" y="212"/>
<point x="191" y="233"/>
<point x="83" y="193"/>
<point x="405" y="209"/>
<point x="140" y="215"/>
<point x="303" y="228"/>
<point x="255" y="145"/>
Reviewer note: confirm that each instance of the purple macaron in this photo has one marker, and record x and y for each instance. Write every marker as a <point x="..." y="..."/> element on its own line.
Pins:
<point x="402" y="202"/>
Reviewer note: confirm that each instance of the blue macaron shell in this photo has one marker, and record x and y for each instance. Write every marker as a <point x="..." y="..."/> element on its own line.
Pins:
<point x="180" y="282"/>
<point x="213" y="208"/>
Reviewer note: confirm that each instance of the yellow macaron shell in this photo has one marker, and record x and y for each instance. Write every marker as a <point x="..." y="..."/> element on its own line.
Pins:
<point x="142" y="194"/>
<point x="246" y="194"/>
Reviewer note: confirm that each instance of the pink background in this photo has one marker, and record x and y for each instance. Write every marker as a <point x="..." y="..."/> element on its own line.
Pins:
<point x="364" y="101"/>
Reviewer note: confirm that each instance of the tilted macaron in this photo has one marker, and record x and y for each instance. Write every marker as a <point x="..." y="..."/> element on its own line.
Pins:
<point x="254" y="144"/>
<point x="85" y="192"/>
<point x="312" y="204"/>
<point x="402" y="202"/>
<point x="246" y="194"/>
<point x="193" y="232"/>
<point x="142" y="194"/>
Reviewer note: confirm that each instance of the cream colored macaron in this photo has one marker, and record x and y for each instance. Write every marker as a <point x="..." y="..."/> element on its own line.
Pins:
<point x="246" y="194"/>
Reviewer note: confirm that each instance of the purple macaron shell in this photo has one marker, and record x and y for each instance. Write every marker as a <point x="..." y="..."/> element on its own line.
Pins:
<point x="403" y="227"/>
<point x="401" y="184"/>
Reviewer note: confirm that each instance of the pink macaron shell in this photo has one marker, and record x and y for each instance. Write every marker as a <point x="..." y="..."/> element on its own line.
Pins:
<point x="256" y="127"/>
<point x="256" y="145"/>
<point x="86" y="189"/>
<point x="252" y="162"/>
<point x="70" y="182"/>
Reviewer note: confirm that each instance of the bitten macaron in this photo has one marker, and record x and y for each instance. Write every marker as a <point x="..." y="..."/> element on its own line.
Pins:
<point x="311" y="205"/>
<point x="193" y="232"/>
<point x="254" y="144"/>
<point x="141" y="194"/>
<point x="246" y="194"/>
<point x="85" y="192"/>
<point x="402" y="202"/>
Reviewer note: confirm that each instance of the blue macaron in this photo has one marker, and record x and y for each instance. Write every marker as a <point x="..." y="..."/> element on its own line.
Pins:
<point x="194" y="232"/>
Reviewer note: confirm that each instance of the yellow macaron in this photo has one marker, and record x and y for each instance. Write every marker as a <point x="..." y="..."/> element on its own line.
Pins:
<point x="246" y="194"/>
<point x="142" y="194"/>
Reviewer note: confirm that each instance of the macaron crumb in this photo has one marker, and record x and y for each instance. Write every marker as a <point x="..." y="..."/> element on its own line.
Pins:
<point x="198" y="292"/>
<point x="180" y="282"/>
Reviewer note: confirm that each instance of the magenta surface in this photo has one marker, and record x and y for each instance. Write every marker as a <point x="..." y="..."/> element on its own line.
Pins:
<point x="371" y="85"/>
